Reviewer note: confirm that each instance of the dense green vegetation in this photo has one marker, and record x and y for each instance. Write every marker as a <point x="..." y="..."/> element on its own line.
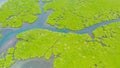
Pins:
<point x="70" y="50"/>
<point x="109" y="36"/>
<point x="46" y="0"/>
<point x="15" y="12"/>
<point x="78" y="14"/>
<point x="8" y="60"/>
<point x="42" y="38"/>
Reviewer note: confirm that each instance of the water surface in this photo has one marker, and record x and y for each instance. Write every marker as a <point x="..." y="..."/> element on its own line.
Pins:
<point x="40" y="23"/>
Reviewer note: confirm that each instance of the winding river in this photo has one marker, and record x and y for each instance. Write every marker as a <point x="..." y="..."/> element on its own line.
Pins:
<point x="8" y="33"/>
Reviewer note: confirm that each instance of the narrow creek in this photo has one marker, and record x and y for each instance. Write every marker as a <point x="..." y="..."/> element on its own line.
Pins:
<point x="10" y="33"/>
<point x="40" y="23"/>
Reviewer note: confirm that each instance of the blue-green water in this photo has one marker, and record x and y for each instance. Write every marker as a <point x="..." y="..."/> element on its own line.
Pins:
<point x="41" y="23"/>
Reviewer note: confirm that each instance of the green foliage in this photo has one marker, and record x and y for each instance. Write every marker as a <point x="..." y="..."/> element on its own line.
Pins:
<point x="78" y="14"/>
<point x="8" y="60"/>
<point x="0" y="35"/>
<point x="15" y="12"/>
<point x="2" y="61"/>
<point x="10" y="51"/>
<point x="34" y="43"/>
<point x="46" y="0"/>
<point x="70" y="50"/>
<point x="109" y="36"/>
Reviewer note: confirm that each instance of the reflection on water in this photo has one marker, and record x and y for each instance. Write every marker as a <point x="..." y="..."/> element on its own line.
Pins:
<point x="34" y="63"/>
